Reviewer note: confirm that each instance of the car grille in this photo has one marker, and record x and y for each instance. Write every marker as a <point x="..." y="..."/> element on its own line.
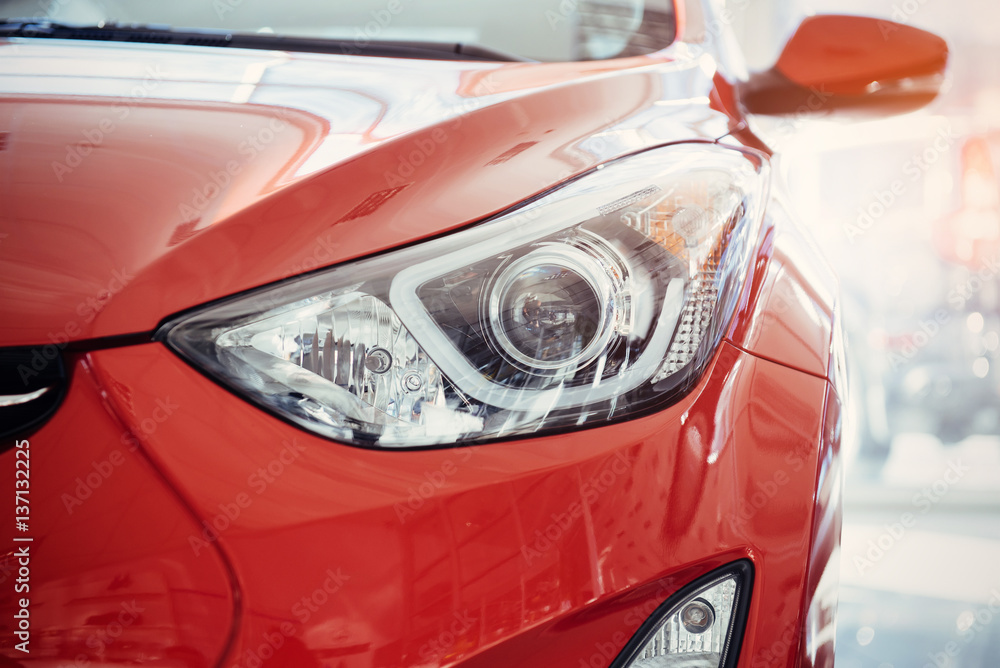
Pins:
<point x="32" y="383"/>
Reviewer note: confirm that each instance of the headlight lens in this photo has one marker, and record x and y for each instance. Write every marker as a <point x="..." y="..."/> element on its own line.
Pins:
<point x="550" y="309"/>
<point x="601" y="299"/>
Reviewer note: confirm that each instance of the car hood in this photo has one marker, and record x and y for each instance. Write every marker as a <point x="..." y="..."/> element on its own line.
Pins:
<point x="138" y="181"/>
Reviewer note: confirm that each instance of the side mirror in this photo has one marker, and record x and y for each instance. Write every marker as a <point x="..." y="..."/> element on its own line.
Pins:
<point x="852" y="62"/>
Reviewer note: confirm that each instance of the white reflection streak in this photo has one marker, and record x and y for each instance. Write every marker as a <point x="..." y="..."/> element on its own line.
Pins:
<point x="252" y="76"/>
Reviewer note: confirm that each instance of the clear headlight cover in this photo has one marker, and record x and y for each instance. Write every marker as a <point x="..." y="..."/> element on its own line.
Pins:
<point x="604" y="298"/>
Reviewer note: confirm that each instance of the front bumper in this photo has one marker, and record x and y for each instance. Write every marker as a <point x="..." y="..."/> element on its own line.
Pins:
<point x="535" y="552"/>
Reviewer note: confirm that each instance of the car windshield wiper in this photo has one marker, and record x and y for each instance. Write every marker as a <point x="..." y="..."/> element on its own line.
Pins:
<point x="151" y="33"/>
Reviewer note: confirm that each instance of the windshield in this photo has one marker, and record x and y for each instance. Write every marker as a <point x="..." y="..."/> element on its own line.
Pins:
<point x="549" y="30"/>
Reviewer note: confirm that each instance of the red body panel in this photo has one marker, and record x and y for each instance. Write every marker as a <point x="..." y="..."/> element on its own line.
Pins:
<point x="110" y="576"/>
<point x="258" y="544"/>
<point x="133" y="206"/>
<point x="417" y="541"/>
<point x="788" y="316"/>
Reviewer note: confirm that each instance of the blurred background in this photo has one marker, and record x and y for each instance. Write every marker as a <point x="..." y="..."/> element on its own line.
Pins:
<point x="907" y="209"/>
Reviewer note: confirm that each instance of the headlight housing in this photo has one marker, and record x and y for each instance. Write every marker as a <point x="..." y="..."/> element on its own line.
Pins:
<point x="601" y="299"/>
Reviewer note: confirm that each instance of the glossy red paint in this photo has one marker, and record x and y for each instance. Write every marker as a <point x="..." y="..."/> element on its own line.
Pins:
<point x="852" y="55"/>
<point x="788" y="316"/>
<point x="253" y="543"/>
<point x="110" y="574"/>
<point x="326" y="160"/>
<point x="415" y="543"/>
<point x="819" y="602"/>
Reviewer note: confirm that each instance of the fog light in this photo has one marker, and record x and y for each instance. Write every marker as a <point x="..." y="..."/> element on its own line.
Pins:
<point x="699" y="627"/>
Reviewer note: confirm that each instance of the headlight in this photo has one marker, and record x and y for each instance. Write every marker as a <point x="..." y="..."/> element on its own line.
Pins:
<point x="602" y="299"/>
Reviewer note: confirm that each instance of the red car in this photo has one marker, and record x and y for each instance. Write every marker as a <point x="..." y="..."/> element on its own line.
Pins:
<point x="389" y="335"/>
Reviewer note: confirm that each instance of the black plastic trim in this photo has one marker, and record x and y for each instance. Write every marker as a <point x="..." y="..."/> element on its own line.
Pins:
<point x="34" y="27"/>
<point x="24" y="370"/>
